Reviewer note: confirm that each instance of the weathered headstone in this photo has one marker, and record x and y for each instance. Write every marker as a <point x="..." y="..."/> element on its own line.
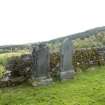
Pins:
<point x="66" y="67"/>
<point x="41" y="65"/>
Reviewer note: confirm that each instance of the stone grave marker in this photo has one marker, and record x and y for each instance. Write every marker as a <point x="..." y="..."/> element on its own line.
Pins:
<point x="66" y="67"/>
<point x="41" y="65"/>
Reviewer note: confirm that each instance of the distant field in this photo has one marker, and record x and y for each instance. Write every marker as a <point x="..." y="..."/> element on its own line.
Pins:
<point x="87" y="88"/>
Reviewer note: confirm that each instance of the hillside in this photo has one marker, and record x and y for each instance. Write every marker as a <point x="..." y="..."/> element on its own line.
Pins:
<point x="80" y="35"/>
<point x="85" y="34"/>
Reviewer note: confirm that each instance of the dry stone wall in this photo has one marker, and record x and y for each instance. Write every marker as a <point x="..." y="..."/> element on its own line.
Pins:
<point x="87" y="57"/>
<point x="45" y="65"/>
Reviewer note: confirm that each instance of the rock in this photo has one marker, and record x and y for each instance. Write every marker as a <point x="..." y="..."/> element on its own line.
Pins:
<point x="4" y="82"/>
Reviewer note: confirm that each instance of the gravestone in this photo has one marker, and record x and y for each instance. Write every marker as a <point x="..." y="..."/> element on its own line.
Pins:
<point x="66" y="67"/>
<point x="40" y="72"/>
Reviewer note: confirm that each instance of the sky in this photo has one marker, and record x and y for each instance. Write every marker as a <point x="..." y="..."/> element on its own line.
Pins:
<point x="27" y="21"/>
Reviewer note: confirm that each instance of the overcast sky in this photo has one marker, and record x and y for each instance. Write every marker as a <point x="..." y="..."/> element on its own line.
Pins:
<point x="25" y="21"/>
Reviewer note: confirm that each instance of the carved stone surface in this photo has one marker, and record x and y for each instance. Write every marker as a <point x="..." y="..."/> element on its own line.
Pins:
<point x="40" y="64"/>
<point x="42" y="82"/>
<point x="66" y="67"/>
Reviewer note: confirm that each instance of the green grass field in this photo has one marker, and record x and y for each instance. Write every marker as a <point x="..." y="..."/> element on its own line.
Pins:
<point x="87" y="88"/>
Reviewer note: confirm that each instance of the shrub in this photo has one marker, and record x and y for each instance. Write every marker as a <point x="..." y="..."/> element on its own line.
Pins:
<point x="2" y="70"/>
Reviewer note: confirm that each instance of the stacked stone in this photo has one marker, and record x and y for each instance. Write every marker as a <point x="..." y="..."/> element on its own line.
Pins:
<point x="18" y="70"/>
<point x="87" y="57"/>
<point x="54" y="59"/>
<point x="20" y="66"/>
<point x="55" y="65"/>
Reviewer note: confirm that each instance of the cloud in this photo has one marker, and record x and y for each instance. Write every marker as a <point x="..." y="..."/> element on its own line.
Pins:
<point x="24" y="21"/>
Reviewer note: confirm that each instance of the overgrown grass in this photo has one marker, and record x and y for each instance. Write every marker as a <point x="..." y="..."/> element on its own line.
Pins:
<point x="5" y="56"/>
<point x="87" y="88"/>
<point x="2" y="70"/>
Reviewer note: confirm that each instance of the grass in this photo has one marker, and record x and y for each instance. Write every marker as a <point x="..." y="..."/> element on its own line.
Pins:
<point x="2" y="69"/>
<point x="5" y="56"/>
<point x="87" y="88"/>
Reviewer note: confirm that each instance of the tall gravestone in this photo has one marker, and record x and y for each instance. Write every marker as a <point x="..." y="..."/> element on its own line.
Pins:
<point x="66" y="67"/>
<point x="40" y="72"/>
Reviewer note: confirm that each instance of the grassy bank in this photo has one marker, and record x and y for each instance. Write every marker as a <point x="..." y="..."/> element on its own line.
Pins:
<point x="87" y="88"/>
